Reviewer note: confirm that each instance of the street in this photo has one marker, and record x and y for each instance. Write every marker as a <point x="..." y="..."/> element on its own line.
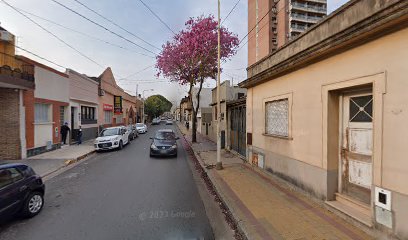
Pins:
<point x="120" y="195"/>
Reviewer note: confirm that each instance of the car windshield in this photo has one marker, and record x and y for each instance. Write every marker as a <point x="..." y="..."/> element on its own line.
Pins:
<point x="139" y="124"/>
<point x="165" y="136"/>
<point x="110" y="132"/>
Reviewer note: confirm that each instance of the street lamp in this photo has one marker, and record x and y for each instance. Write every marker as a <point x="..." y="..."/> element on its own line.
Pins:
<point x="144" y="102"/>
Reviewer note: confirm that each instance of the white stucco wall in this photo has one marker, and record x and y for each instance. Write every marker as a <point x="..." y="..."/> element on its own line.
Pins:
<point x="205" y="97"/>
<point x="43" y="134"/>
<point x="82" y="88"/>
<point x="50" y="85"/>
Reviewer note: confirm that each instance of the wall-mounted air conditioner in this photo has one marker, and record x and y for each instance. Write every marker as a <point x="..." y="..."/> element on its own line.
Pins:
<point x="6" y="36"/>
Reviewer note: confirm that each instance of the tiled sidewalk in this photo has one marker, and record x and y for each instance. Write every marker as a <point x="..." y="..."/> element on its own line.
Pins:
<point x="49" y="162"/>
<point x="265" y="207"/>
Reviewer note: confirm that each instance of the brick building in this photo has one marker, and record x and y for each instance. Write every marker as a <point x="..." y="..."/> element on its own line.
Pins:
<point x="16" y="77"/>
<point x="108" y="89"/>
<point x="46" y="108"/>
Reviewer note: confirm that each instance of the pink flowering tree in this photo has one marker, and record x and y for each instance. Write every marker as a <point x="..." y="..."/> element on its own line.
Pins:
<point x="191" y="56"/>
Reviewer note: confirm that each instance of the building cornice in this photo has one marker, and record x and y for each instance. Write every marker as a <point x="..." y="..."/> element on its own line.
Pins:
<point x="382" y="18"/>
<point x="37" y="64"/>
<point x="83" y="76"/>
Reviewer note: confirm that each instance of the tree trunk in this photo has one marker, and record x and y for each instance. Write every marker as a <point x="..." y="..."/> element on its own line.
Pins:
<point x="195" y="111"/>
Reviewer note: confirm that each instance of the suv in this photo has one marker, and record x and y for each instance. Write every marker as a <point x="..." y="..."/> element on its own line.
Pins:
<point x="111" y="138"/>
<point x="21" y="191"/>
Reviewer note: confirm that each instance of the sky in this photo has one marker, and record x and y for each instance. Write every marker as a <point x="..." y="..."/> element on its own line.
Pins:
<point x="100" y="49"/>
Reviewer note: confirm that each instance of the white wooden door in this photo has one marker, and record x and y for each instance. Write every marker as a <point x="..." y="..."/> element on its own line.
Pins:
<point x="357" y="146"/>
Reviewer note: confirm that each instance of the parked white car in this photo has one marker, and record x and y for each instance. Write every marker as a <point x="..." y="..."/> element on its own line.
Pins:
<point x="111" y="138"/>
<point x="141" y="128"/>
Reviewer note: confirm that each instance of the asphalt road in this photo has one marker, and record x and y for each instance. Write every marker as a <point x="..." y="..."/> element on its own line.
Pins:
<point x="120" y="195"/>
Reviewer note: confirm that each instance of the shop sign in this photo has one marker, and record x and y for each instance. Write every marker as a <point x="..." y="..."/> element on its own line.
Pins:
<point x="107" y="107"/>
<point x="117" y="103"/>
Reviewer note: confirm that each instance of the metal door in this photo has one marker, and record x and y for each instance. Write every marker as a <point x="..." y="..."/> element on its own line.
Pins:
<point x="238" y="129"/>
<point x="357" y="146"/>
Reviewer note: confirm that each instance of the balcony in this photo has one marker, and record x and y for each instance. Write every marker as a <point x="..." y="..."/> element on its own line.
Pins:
<point x="298" y="28"/>
<point x="308" y="8"/>
<point x="316" y="1"/>
<point x="17" y="78"/>
<point x="304" y="18"/>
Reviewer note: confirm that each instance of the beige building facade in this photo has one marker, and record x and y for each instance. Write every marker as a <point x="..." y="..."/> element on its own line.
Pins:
<point x="328" y="112"/>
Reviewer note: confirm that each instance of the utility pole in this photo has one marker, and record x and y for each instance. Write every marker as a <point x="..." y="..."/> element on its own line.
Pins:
<point x="218" y="166"/>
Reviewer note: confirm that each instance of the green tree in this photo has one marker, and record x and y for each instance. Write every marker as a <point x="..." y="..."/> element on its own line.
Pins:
<point x="156" y="105"/>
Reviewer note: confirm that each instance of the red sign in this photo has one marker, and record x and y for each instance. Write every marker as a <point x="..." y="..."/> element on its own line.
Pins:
<point x="107" y="107"/>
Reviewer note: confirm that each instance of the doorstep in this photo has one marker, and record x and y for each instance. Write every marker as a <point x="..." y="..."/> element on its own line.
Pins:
<point x="352" y="208"/>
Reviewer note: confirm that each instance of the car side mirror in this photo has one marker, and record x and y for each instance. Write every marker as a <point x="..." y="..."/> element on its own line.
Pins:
<point x="151" y="138"/>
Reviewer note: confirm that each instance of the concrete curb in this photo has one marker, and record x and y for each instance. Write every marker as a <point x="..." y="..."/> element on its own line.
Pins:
<point x="67" y="163"/>
<point x="240" y="228"/>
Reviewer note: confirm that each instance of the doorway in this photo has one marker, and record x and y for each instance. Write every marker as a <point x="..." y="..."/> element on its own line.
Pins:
<point x="355" y="176"/>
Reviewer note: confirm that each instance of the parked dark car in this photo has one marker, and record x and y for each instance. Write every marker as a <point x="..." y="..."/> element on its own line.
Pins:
<point x="21" y="191"/>
<point x="132" y="132"/>
<point x="164" y="143"/>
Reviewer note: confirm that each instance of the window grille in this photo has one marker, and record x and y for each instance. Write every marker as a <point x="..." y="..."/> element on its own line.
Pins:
<point x="277" y="117"/>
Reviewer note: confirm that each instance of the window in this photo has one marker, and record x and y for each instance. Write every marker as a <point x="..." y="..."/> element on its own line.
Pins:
<point x="8" y="176"/>
<point x="119" y="119"/>
<point x="277" y="117"/>
<point x="88" y="115"/>
<point x="42" y="113"/>
<point x="108" y="117"/>
<point x="361" y="109"/>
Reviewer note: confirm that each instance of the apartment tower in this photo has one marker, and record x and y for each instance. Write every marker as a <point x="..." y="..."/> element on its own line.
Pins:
<point x="275" y="22"/>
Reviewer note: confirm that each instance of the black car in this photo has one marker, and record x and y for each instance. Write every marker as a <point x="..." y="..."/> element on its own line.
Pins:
<point x="164" y="143"/>
<point x="21" y="191"/>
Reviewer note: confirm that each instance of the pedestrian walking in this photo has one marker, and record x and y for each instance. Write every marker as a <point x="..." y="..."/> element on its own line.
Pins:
<point x="64" y="132"/>
<point x="79" y="137"/>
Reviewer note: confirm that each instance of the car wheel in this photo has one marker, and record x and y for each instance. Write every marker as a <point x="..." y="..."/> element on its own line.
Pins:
<point x="129" y="139"/>
<point x="33" y="204"/>
<point x="120" y="145"/>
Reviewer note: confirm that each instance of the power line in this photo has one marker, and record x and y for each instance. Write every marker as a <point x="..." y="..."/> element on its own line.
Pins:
<point x="157" y="16"/>
<point x="230" y="11"/>
<point x="259" y="29"/>
<point x="34" y="54"/>
<point x="117" y="25"/>
<point x="103" y="27"/>
<point x="84" y="34"/>
<point x="252" y="36"/>
<point x="143" y="80"/>
<point x="273" y="6"/>
<point x="49" y="32"/>
<point x="137" y="72"/>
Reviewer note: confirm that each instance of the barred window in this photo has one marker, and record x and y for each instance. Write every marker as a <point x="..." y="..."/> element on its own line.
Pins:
<point x="277" y="117"/>
<point x="108" y="117"/>
<point x="119" y="119"/>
